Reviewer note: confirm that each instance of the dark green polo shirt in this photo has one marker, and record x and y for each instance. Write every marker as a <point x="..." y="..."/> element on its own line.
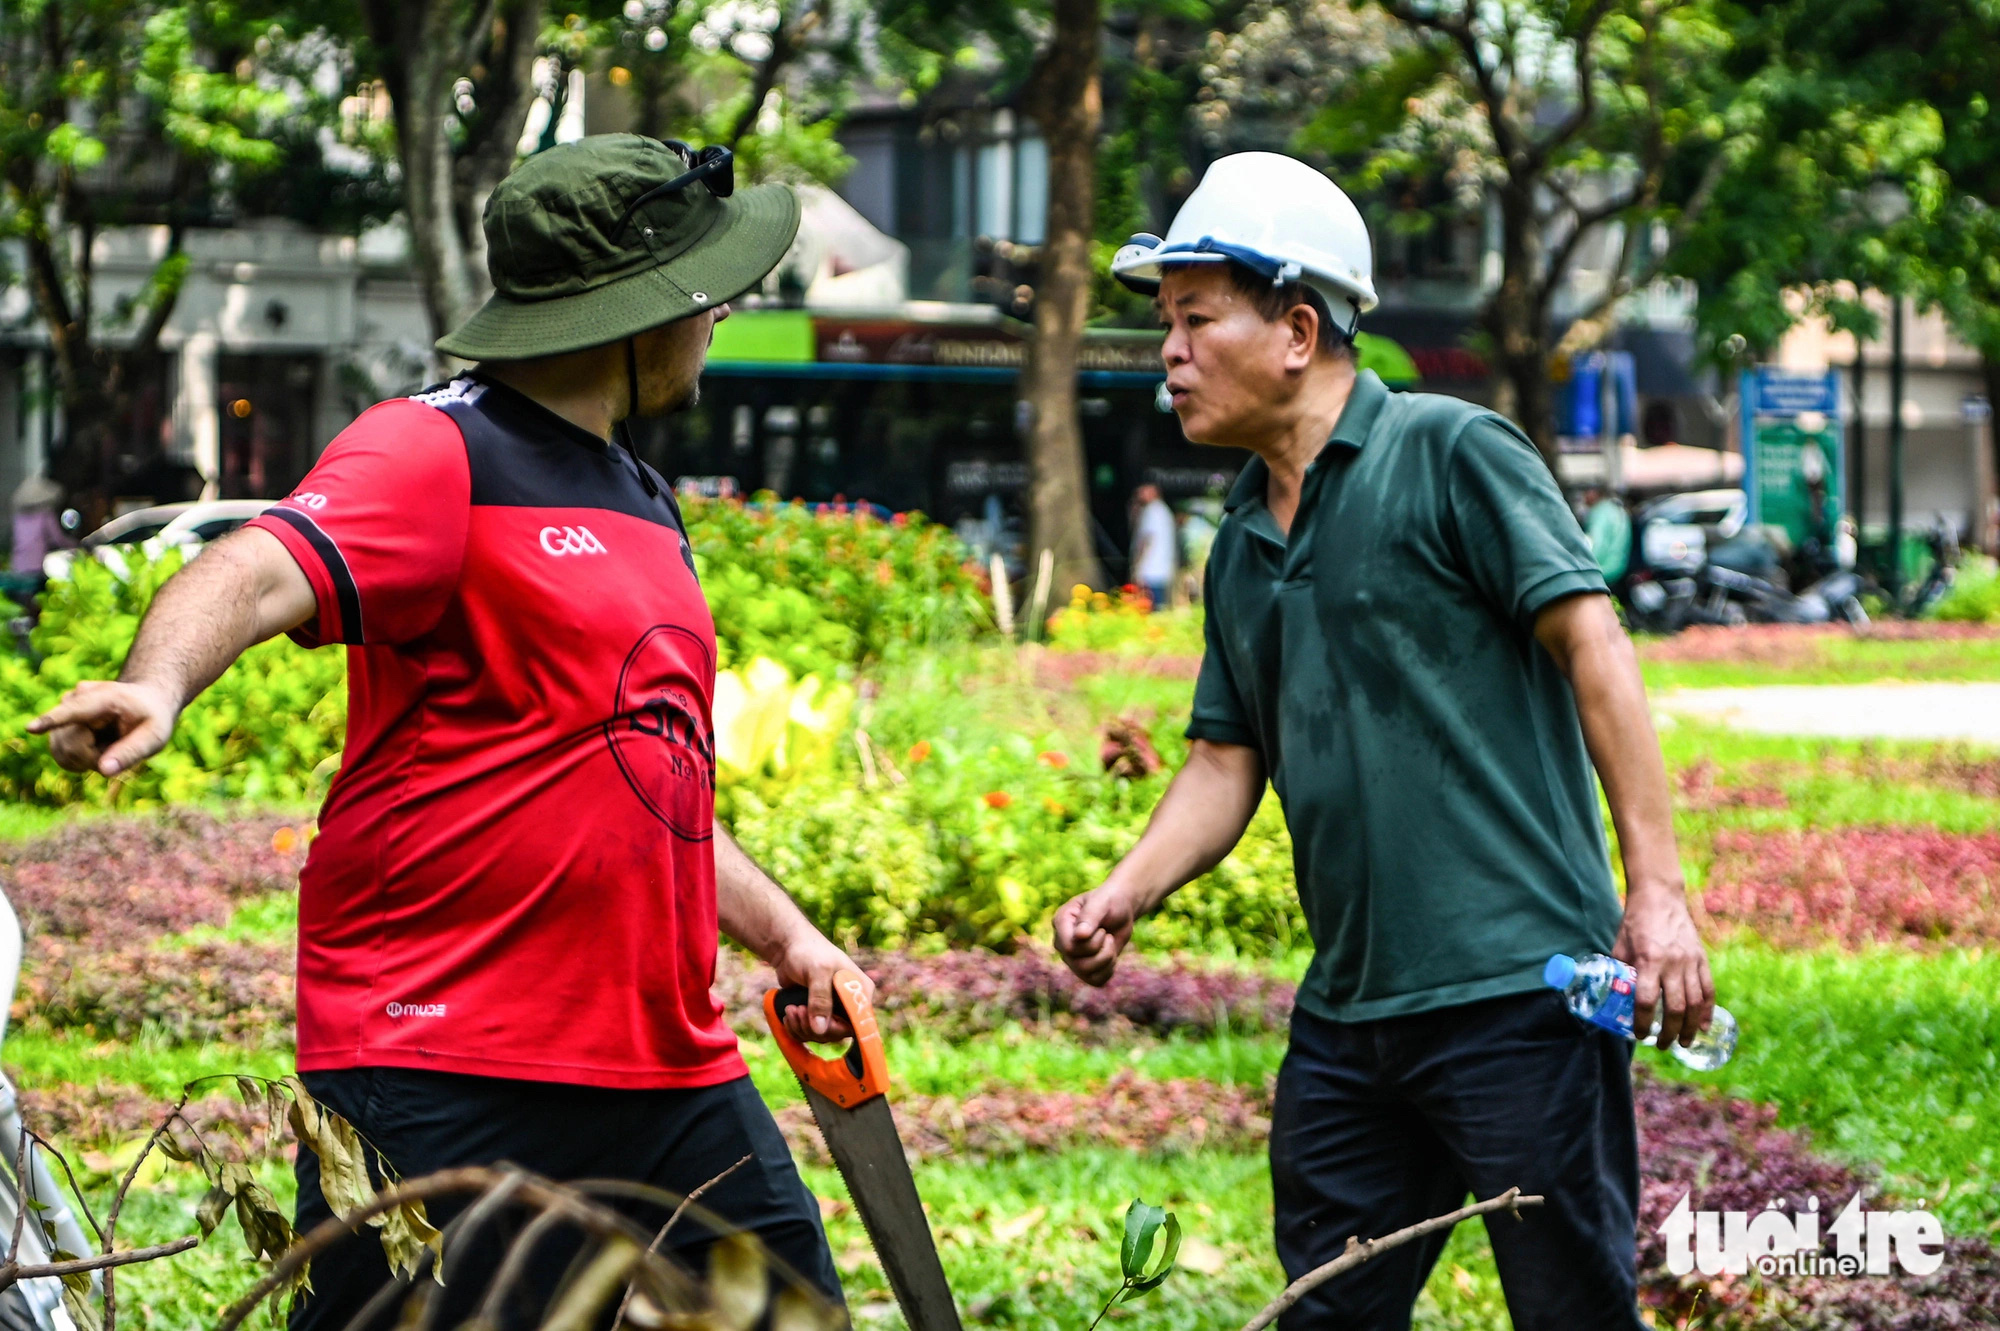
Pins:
<point x="1444" y="815"/>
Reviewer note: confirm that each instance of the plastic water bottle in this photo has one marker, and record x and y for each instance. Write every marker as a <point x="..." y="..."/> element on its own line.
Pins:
<point x="1600" y="990"/>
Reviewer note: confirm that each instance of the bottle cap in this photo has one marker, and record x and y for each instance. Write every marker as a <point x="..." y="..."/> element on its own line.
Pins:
<point x="1559" y="972"/>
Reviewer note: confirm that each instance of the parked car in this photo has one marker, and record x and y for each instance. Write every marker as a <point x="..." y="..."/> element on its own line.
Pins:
<point x="158" y="529"/>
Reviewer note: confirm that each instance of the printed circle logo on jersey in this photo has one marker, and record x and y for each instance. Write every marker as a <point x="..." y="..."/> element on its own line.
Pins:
<point x="659" y="729"/>
<point x="561" y="541"/>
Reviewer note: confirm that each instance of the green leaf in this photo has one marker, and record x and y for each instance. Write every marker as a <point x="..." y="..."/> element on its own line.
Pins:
<point x="1142" y="1222"/>
<point x="1169" y="1254"/>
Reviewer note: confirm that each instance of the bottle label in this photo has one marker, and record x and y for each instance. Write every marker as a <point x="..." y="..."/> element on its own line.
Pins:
<point x="1615" y="1014"/>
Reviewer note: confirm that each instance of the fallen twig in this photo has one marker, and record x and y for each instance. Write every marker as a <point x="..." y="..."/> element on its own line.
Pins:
<point x="1359" y="1252"/>
<point x="10" y="1272"/>
<point x="661" y="1237"/>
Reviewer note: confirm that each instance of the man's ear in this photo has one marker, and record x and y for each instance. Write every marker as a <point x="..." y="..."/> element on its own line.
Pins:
<point x="1302" y="340"/>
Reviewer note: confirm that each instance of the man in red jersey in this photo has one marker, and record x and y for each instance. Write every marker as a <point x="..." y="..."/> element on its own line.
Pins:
<point x="507" y="925"/>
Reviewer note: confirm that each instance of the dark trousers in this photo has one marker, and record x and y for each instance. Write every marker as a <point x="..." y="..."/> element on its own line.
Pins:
<point x="673" y="1139"/>
<point x="1381" y="1124"/>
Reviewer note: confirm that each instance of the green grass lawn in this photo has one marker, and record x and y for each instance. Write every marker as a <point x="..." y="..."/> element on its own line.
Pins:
<point x="1891" y="1058"/>
<point x="1032" y="1242"/>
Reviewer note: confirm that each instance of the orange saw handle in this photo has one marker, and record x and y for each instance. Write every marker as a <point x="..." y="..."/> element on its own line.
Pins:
<point x="858" y="1076"/>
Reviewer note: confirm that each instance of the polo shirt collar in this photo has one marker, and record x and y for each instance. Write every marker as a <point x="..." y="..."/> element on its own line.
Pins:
<point x="1364" y="404"/>
<point x="1357" y="420"/>
<point x="523" y="405"/>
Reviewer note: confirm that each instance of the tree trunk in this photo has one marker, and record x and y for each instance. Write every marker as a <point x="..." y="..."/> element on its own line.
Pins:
<point x="93" y="382"/>
<point x="421" y="43"/>
<point x="1516" y="318"/>
<point x="1065" y="98"/>
<point x="506" y="92"/>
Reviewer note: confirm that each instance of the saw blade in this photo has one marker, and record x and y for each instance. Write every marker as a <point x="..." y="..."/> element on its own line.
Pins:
<point x="869" y="1155"/>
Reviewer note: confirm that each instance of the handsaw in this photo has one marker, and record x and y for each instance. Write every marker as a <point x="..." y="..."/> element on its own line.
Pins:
<point x="849" y="1099"/>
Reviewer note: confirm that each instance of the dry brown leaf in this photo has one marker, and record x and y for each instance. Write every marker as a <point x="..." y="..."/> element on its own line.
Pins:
<point x="82" y="1306"/>
<point x="795" y="1310"/>
<point x="1197" y="1255"/>
<point x="1006" y="1231"/>
<point x="343" y="1161"/>
<point x="406" y="1232"/>
<point x="738" y="1281"/>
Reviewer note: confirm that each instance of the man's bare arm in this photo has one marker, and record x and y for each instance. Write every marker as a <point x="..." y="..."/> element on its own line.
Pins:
<point x="1199" y="821"/>
<point x="1658" y="937"/>
<point x="756" y="912"/>
<point x="242" y="589"/>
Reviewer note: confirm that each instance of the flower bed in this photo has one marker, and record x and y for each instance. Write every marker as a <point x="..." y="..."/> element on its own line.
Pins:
<point x="1798" y="644"/>
<point x="956" y="995"/>
<point x="1179" y="1114"/>
<point x="242" y="992"/>
<point x="102" y="884"/>
<point x="1857" y="886"/>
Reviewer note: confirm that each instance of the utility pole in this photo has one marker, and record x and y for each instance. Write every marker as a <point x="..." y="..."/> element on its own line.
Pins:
<point x="1896" y="446"/>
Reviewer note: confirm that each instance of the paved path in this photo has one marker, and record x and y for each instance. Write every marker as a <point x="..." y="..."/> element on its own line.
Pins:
<point x="1968" y="712"/>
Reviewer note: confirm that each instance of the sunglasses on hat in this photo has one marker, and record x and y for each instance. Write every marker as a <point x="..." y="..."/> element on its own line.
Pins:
<point x="714" y="166"/>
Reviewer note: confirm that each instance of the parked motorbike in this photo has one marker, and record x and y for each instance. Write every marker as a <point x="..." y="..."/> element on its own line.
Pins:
<point x="1697" y="561"/>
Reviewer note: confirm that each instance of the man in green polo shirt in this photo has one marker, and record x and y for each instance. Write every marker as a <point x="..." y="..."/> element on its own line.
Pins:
<point x="1409" y="637"/>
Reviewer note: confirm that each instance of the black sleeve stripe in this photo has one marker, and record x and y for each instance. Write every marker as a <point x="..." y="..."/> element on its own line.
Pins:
<point x="329" y="554"/>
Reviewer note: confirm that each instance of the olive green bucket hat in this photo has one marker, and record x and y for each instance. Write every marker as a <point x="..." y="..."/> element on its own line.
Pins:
<point x="596" y="240"/>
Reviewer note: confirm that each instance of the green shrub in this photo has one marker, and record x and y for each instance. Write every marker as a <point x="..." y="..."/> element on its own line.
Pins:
<point x="819" y="593"/>
<point x="269" y="729"/>
<point x="1975" y="593"/>
<point x="982" y="841"/>
<point x="823" y="593"/>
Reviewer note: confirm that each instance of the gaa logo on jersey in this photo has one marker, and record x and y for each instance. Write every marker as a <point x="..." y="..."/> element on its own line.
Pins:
<point x="560" y="541"/>
<point x="659" y="730"/>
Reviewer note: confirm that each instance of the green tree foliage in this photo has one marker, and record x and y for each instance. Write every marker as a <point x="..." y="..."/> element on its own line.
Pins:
<point x="768" y="82"/>
<point x="1844" y="133"/>
<point x="1584" y="122"/>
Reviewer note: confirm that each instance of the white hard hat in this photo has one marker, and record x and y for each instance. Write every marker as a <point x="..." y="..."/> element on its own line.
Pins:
<point x="1277" y="217"/>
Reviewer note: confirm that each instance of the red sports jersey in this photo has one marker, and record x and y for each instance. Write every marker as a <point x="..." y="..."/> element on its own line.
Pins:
<point x="515" y="872"/>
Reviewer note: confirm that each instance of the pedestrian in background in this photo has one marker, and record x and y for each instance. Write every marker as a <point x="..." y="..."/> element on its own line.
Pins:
<point x="37" y="529"/>
<point x="1155" y="545"/>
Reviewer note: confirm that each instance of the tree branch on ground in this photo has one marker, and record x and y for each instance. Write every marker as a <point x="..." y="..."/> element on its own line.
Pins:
<point x="1358" y="1251"/>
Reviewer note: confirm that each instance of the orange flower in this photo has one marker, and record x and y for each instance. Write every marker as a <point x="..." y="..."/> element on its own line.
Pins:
<point x="1054" y="806"/>
<point x="1051" y="758"/>
<point x="920" y="750"/>
<point x="284" y="841"/>
<point x="998" y="799"/>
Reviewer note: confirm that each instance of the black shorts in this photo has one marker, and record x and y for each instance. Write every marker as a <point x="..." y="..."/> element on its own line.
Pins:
<point x="1380" y="1124"/>
<point x="673" y="1139"/>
